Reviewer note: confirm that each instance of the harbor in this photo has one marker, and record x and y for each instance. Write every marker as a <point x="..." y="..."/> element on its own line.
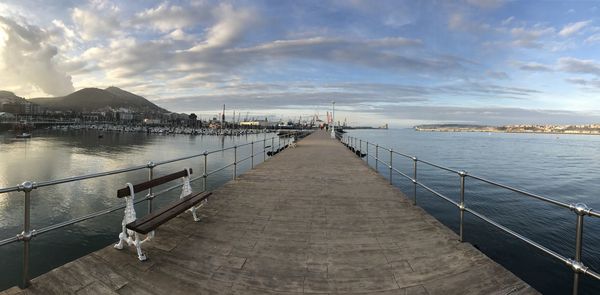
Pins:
<point x="283" y="228"/>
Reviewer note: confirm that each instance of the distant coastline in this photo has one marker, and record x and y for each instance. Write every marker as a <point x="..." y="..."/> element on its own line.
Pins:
<point x="590" y="129"/>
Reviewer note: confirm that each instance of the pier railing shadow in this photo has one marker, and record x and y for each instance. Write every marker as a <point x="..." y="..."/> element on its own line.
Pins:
<point x="258" y="150"/>
<point x="384" y="163"/>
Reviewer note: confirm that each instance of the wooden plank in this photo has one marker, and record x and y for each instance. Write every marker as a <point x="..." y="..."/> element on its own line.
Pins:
<point x="151" y="221"/>
<point x="124" y="192"/>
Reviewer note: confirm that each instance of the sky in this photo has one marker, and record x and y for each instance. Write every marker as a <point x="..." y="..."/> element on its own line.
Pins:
<point x="397" y="62"/>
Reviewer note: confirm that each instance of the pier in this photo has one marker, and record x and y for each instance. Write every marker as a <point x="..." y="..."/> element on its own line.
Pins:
<point x="314" y="219"/>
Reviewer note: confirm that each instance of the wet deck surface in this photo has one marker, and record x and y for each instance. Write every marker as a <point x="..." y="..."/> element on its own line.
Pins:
<point x="314" y="219"/>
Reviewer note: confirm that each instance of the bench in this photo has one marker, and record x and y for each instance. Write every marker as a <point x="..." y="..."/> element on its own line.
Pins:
<point x="133" y="227"/>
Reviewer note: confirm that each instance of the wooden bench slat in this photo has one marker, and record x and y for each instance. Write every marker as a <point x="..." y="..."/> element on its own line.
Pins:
<point x="124" y="192"/>
<point x="151" y="221"/>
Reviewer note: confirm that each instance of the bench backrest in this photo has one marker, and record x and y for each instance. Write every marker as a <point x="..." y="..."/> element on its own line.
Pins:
<point x="124" y="192"/>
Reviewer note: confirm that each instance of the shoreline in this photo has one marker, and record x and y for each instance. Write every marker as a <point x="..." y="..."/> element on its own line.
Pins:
<point x="512" y="132"/>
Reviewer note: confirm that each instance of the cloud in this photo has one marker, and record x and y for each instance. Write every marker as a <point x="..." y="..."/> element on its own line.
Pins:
<point x="488" y="4"/>
<point x="486" y="115"/>
<point x="573" y="28"/>
<point x="94" y="24"/>
<point x="497" y="75"/>
<point x="167" y="17"/>
<point x="459" y="22"/>
<point x="507" y="21"/>
<point x="29" y="58"/>
<point x="587" y="84"/>
<point x="529" y="37"/>
<point x="534" y="67"/>
<point x="230" y="28"/>
<point x="593" y="39"/>
<point x="365" y="53"/>
<point x="354" y="96"/>
<point x="580" y="66"/>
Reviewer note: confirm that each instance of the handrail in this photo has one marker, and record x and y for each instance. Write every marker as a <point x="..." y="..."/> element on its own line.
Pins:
<point x="580" y="209"/>
<point x="28" y="186"/>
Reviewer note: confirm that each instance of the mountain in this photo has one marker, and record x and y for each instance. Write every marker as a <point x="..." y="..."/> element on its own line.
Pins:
<point x="94" y="99"/>
<point x="9" y="97"/>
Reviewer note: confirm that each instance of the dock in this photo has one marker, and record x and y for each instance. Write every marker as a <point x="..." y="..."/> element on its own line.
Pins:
<point x="314" y="219"/>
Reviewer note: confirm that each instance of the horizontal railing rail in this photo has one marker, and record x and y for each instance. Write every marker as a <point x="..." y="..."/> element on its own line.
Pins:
<point x="581" y="210"/>
<point x="28" y="186"/>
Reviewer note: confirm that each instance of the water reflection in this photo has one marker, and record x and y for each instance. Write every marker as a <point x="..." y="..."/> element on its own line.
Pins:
<point x="57" y="154"/>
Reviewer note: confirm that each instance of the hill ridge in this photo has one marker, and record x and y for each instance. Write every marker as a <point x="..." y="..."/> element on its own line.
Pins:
<point x="95" y="99"/>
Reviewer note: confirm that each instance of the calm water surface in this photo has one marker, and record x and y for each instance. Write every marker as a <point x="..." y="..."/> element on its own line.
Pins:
<point x="58" y="154"/>
<point x="563" y="167"/>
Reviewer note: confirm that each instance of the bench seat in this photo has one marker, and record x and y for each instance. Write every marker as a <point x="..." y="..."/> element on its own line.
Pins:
<point x="153" y="220"/>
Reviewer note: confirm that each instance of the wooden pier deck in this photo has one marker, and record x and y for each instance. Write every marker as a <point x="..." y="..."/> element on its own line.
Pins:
<point x="312" y="220"/>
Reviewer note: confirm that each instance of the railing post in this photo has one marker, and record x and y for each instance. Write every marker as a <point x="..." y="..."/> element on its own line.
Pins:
<point x="461" y="204"/>
<point x="205" y="175"/>
<point x="150" y="195"/>
<point x="377" y="158"/>
<point x="578" y="267"/>
<point x="359" y="147"/>
<point x="272" y="145"/>
<point x="27" y="234"/>
<point x="234" y="162"/>
<point x="252" y="155"/>
<point x="415" y="180"/>
<point x="391" y="157"/>
<point x="367" y="154"/>
<point x="264" y="149"/>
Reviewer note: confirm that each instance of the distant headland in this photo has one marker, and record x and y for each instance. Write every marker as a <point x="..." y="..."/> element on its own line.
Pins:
<point x="521" y="128"/>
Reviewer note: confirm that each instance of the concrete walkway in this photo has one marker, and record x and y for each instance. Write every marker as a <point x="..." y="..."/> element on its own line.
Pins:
<point x="314" y="219"/>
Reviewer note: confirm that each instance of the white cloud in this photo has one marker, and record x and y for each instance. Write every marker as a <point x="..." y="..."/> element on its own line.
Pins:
<point x="93" y="24"/>
<point x="230" y="28"/>
<point x="593" y="39"/>
<point x="180" y="35"/>
<point x="530" y="37"/>
<point x="167" y="17"/>
<point x="573" y="28"/>
<point x="508" y="21"/>
<point x="29" y="58"/>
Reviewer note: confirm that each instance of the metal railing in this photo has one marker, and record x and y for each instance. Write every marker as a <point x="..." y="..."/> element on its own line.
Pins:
<point x="28" y="186"/>
<point x="581" y="210"/>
